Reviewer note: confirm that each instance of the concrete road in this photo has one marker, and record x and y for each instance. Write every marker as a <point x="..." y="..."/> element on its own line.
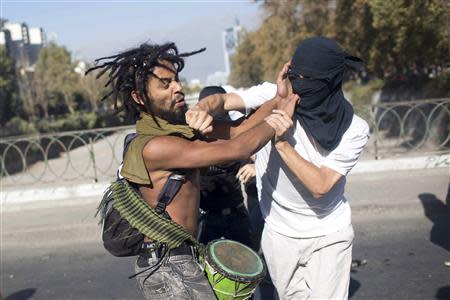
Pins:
<point x="401" y="220"/>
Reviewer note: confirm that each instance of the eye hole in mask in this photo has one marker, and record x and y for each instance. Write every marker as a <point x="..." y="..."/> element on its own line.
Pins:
<point x="308" y="88"/>
<point x="292" y="75"/>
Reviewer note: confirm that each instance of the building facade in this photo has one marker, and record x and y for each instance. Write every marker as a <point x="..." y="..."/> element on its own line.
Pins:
<point x="22" y="43"/>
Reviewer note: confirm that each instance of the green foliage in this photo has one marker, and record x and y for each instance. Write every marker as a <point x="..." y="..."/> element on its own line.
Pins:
<point x="55" y="89"/>
<point x="80" y="121"/>
<point x="112" y="119"/>
<point x="406" y="37"/>
<point x="52" y="97"/>
<point x="362" y="94"/>
<point x="8" y="86"/>
<point x="263" y="52"/>
<point x="55" y="79"/>
<point x="247" y="68"/>
<point x="438" y="87"/>
<point x="18" y="126"/>
<point x="395" y="38"/>
<point x="353" y="28"/>
<point x="74" y="121"/>
<point x="416" y="87"/>
<point x="68" y="122"/>
<point x="91" y="90"/>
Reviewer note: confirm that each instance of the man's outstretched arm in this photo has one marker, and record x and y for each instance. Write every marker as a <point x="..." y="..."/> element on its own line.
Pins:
<point x="168" y="152"/>
<point x="200" y="116"/>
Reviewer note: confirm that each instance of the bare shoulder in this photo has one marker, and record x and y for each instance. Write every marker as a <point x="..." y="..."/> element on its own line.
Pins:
<point x="169" y="152"/>
<point x="163" y="146"/>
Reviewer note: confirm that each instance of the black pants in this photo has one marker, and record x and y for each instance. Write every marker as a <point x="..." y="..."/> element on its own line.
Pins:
<point x="233" y="224"/>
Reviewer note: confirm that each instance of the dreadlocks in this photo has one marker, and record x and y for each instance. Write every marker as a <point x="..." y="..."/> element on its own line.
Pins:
<point x="129" y="71"/>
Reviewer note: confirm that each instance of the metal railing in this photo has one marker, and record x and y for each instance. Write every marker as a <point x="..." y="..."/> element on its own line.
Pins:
<point x="409" y="127"/>
<point x="66" y="156"/>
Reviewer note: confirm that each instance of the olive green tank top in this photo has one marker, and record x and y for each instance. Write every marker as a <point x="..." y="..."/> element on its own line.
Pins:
<point x="147" y="128"/>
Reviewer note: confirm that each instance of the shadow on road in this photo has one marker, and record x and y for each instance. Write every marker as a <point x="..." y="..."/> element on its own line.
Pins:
<point x="443" y="293"/>
<point x="354" y="286"/>
<point x="438" y="212"/>
<point x="22" y="294"/>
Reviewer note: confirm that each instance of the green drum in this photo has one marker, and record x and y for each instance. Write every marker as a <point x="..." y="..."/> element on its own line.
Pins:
<point x="233" y="269"/>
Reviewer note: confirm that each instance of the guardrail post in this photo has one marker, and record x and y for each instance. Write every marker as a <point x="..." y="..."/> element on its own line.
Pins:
<point x="92" y="155"/>
<point x="373" y="116"/>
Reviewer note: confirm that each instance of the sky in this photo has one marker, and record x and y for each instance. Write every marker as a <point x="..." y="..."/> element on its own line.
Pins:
<point x="92" y="29"/>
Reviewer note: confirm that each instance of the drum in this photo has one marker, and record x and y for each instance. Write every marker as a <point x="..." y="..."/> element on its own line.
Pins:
<point x="233" y="269"/>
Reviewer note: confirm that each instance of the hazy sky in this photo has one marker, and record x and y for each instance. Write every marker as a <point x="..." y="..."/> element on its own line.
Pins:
<point x="91" y="29"/>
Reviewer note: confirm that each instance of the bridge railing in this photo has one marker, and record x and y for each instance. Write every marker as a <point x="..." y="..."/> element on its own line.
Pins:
<point x="66" y="156"/>
<point x="408" y="127"/>
<point x="397" y="128"/>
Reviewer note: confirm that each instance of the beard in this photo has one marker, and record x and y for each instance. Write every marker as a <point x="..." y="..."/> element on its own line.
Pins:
<point x="176" y="117"/>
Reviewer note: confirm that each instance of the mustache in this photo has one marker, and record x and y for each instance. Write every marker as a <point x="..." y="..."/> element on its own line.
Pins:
<point x="178" y="97"/>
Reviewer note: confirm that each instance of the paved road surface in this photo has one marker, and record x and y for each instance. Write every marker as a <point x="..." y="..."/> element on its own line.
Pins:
<point x="401" y="222"/>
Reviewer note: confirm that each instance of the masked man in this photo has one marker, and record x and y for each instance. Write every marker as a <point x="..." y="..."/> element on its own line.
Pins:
<point x="301" y="175"/>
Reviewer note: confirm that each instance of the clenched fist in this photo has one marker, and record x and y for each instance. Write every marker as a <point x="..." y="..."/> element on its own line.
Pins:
<point x="280" y="121"/>
<point x="200" y="120"/>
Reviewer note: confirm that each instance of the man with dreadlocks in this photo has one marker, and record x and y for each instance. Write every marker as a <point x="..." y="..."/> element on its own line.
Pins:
<point x="145" y="84"/>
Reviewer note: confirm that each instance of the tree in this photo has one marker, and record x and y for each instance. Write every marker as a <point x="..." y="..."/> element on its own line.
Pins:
<point x="247" y="68"/>
<point x="27" y="94"/>
<point x="9" y="104"/>
<point x="55" y="80"/>
<point x="93" y="89"/>
<point x="285" y="24"/>
<point x="398" y="37"/>
<point x="353" y="27"/>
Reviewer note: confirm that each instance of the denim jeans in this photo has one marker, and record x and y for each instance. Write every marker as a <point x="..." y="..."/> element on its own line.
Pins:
<point x="180" y="277"/>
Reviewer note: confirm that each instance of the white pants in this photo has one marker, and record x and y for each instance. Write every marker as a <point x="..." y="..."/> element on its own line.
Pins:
<point x="309" y="268"/>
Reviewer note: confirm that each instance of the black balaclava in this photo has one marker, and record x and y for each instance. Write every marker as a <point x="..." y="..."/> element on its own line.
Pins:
<point x="323" y="110"/>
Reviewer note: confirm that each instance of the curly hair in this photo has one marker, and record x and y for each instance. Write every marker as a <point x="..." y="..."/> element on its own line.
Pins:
<point x="129" y="71"/>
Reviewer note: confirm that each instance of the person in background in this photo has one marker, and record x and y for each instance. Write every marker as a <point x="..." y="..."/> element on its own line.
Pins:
<point x="223" y="211"/>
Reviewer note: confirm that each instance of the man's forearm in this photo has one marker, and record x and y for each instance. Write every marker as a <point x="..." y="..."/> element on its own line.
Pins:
<point x="309" y="174"/>
<point x="256" y="118"/>
<point x="212" y="104"/>
<point x="230" y="130"/>
<point x="252" y="140"/>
